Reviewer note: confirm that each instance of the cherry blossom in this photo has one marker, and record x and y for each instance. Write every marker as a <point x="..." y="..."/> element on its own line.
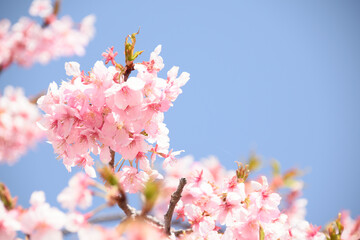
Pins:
<point x="41" y="8"/>
<point x="27" y="42"/>
<point x="77" y="193"/>
<point x="351" y="226"/>
<point x="18" y="130"/>
<point x="41" y="221"/>
<point x="9" y="222"/>
<point x="97" y="113"/>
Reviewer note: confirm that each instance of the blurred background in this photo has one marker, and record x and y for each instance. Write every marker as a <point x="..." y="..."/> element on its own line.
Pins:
<point x="281" y="78"/>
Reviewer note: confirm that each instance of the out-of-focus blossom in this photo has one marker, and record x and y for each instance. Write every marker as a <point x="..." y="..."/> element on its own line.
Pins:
<point x="9" y="223"/>
<point x="77" y="194"/>
<point x="41" y="8"/>
<point x="351" y="226"/>
<point x="41" y="221"/>
<point x="27" y="42"/>
<point x="18" y="129"/>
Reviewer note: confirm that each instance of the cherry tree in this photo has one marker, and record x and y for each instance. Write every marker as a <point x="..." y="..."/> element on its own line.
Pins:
<point x="110" y="122"/>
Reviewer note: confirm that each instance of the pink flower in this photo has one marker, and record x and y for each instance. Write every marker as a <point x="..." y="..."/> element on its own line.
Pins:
<point x="86" y="161"/>
<point x="9" y="223"/>
<point x="126" y="94"/>
<point x="41" y="221"/>
<point x="18" y="130"/>
<point x="132" y="180"/>
<point x="27" y="42"/>
<point x="41" y="8"/>
<point x="109" y="55"/>
<point x="77" y="193"/>
<point x="136" y="146"/>
<point x="170" y="158"/>
<point x="76" y="221"/>
<point x="351" y="226"/>
<point x="200" y="223"/>
<point x="72" y="69"/>
<point x="231" y="208"/>
<point x="265" y="202"/>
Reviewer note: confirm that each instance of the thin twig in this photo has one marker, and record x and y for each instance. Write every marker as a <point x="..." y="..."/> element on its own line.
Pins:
<point x="122" y="159"/>
<point x="107" y="218"/>
<point x="99" y="208"/>
<point x="175" y="197"/>
<point x="99" y="186"/>
<point x="151" y="219"/>
<point x="122" y="163"/>
<point x="99" y="194"/>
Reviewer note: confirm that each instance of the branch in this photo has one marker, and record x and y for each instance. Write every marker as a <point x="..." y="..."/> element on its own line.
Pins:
<point x="112" y="161"/>
<point x="107" y="218"/>
<point x="182" y="231"/>
<point x="175" y="197"/>
<point x="128" y="70"/>
<point x="151" y="219"/>
<point x="122" y="203"/>
<point x="34" y="99"/>
<point x="55" y="12"/>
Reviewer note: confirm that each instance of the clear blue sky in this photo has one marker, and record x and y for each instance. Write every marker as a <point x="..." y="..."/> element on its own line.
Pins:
<point x="278" y="77"/>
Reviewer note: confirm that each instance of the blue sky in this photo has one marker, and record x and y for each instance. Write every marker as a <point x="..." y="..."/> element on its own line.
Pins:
<point x="278" y="77"/>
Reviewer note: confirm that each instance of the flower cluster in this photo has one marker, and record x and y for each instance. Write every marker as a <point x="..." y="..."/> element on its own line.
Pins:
<point x="42" y="222"/>
<point x="105" y="111"/>
<point x="221" y="204"/>
<point x="18" y="131"/>
<point x="216" y="204"/>
<point x="27" y="42"/>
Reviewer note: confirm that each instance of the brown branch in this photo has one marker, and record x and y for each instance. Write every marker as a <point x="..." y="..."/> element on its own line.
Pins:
<point x="112" y="161"/>
<point x="131" y="213"/>
<point x="182" y="231"/>
<point x="122" y="203"/>
<point x="175" y="197"/>
<point x="128" y="69"/>
<point x="55" y="12"/>
<point x="34" y="99"/>
<point x="128" y="210"/>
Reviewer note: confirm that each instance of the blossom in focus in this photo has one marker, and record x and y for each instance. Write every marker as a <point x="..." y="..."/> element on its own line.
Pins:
<point x="94" y="113"/>
<point x="18" y="130"/>
<point x="210" y="202"/>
